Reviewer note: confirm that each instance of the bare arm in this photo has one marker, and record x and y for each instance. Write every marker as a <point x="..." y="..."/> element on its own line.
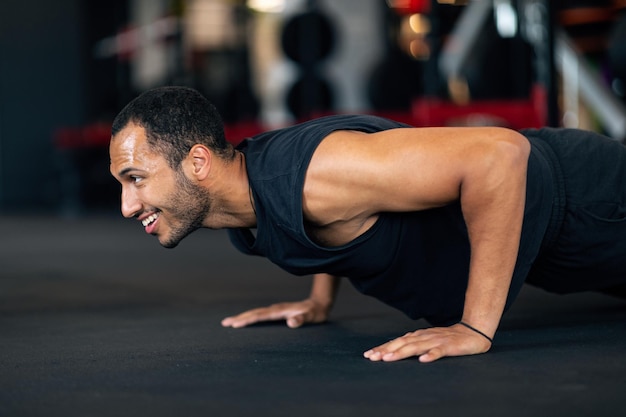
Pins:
<point x="492" y="197"/>
<point x="492" y="200"/>
<point x="414" y="169"/>
<point x="314" y="309"/>
<point x="324" y="290"/>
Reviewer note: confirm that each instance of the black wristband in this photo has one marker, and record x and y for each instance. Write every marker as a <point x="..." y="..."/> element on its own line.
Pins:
<point x="462" y="323"/>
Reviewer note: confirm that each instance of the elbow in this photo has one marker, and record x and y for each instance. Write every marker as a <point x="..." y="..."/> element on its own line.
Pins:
<point x="520" y="146"/>
<point x="502" y="162"/>
<point x="497" y="178"/>
<point x="511" y="150"/>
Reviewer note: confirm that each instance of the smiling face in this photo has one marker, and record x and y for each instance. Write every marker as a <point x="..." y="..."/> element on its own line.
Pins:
<point x="169" y="205"/>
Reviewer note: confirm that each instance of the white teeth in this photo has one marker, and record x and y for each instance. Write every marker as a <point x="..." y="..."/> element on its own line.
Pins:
<point x="149" y="220"/>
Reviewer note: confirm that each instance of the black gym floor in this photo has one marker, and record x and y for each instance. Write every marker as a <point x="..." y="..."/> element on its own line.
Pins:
<point x="96" y="319"/>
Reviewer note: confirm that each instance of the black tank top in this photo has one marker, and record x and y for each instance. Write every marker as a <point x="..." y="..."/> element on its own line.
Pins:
<point x="417" y="262"/>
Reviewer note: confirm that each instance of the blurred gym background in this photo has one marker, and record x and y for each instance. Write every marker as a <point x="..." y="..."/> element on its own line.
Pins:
<point x="68" y="66"/>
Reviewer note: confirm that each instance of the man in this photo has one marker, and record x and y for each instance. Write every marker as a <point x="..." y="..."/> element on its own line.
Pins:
<point x="441" y="223"/>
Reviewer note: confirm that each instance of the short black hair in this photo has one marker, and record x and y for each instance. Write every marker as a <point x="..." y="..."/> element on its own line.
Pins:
<point x="175" y="119"/>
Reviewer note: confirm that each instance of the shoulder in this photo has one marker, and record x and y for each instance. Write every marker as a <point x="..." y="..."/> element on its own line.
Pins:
<point x="321" y="127"/>
<point x="416" y="144"/>
<point x="293" y="146"/>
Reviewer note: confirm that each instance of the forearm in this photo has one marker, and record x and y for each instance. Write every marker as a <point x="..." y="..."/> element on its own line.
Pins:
<point x="494" y="239"/>
<point x="324" y="289"/>
<point x="485" y="300"/>
<point x="493" y="205"/>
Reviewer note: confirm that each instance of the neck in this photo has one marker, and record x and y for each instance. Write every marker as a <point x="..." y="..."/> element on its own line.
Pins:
<point x="233" y="204"/>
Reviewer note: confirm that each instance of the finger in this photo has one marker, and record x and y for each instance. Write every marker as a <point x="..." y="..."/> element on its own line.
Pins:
<point x="237" y="322"/>
<point x="390" y="346"/>
<point x="377" y="353"/>
<point x="403" y="351"/>
<point x="227" y="322"/>
<point x="280" y="311"/>
<point x="233" y="320"/>
<point x="250" y="317"/>
<point x="426" y="351"/>
<point x="432" y="355"/>
<point x="411" y="344"/>
<point x="373" y="355"/>
<point x="302" y="315"/>
<point x="296" y="321"/>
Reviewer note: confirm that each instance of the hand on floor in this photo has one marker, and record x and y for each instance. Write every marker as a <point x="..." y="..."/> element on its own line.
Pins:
<point x="431" y="344"/>
<point x="294" y="313"/>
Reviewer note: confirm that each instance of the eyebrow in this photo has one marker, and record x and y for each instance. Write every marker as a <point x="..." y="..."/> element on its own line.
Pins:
<point x="125" y="171"/>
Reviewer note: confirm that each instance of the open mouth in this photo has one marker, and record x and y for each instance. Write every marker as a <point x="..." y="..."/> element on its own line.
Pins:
<point x="150" y="222"/>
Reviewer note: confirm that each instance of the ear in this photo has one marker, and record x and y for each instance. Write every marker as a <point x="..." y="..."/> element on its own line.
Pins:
<point x="200" y="158"/>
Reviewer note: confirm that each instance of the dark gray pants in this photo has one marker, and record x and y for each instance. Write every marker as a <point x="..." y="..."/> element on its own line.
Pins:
<point x="588" y="250"/>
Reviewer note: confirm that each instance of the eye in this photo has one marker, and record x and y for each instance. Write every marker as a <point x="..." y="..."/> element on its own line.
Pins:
<point x="135" y="179"/>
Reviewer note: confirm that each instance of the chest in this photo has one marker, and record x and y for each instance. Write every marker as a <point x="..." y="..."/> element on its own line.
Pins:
<point x="338" y="233"/>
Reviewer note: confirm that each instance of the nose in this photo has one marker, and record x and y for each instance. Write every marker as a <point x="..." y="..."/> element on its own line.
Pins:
<point x="131" y="205"/>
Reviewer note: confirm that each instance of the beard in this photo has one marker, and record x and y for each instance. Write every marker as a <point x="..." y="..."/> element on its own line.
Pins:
<point x="189" y="205"/>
